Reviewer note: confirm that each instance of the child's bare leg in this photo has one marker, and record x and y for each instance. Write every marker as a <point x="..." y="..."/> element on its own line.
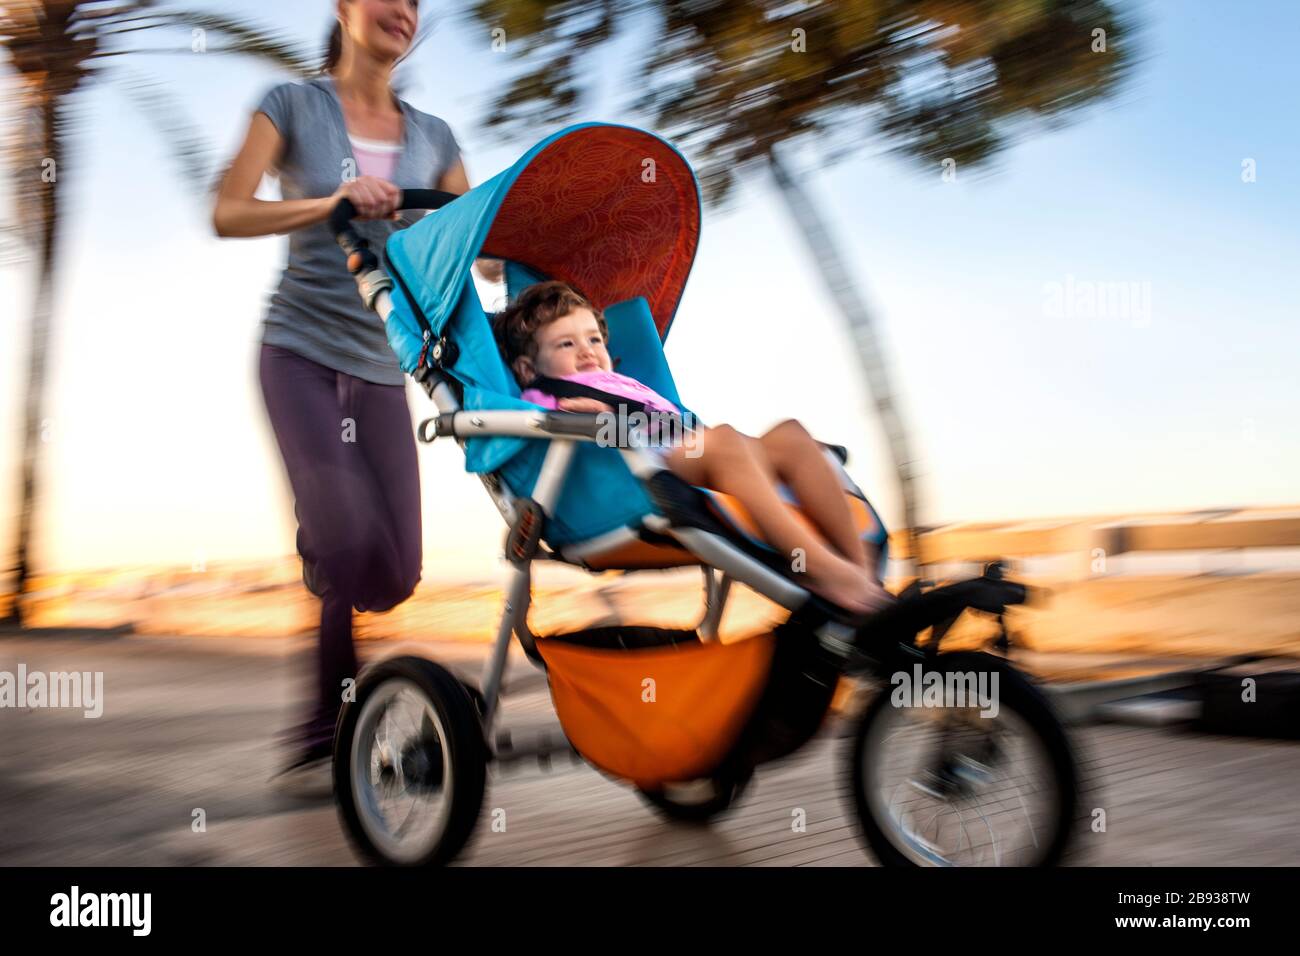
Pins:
<point x="735" y="464"/>
<point x="800" y="461"/>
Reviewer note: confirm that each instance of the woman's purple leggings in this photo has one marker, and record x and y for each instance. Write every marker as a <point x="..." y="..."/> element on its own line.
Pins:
<point x="349" y="448"/>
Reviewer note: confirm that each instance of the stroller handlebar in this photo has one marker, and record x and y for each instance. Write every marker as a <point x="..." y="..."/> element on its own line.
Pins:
<point x="360" y="258"/>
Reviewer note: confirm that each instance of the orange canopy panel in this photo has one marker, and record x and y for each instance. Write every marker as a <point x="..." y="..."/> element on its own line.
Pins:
<point x="657" y="715"/>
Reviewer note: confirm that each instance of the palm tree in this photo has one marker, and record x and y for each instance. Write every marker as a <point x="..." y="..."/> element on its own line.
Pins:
<point x="946" y="83"/>
<point x="56" y="47"/>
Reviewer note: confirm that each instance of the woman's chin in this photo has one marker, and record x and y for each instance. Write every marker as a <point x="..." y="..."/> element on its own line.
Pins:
<point x="388" y="47"/>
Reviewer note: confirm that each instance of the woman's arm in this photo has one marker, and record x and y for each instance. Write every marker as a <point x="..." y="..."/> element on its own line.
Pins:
<point x="455" y="180"/>
<point x="237" y="214"/>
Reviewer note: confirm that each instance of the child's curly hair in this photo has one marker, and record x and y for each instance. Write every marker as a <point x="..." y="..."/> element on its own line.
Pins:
<point x="515" y="327"/>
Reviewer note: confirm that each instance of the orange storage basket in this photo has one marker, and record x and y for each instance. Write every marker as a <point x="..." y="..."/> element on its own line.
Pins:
<point x="657" y="715"/>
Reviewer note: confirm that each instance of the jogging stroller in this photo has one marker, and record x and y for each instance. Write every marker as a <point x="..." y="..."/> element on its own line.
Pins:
<point x="681" y="715"/>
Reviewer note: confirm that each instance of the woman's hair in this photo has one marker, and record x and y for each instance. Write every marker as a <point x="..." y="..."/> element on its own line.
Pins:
<point x="333" y="48"/>
<point x="515" y="326"/>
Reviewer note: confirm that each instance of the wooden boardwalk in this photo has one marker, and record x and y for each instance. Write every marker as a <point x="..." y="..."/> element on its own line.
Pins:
<point x="187" y="727"/>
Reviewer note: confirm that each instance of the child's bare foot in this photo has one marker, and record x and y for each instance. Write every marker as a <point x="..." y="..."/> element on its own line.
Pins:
<point x="848" y="586"/>
<point x="877" y="597"/>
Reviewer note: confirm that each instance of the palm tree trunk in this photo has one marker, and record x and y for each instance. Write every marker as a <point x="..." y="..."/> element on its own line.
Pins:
<point x="871" y="359"/>
<point x="47" y="211"/>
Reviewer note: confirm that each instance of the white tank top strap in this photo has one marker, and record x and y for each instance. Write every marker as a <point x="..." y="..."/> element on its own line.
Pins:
<point x="375" y="145"/>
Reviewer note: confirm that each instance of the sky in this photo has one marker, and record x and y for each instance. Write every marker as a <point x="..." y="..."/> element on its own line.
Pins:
<point x="1103" y="323"/>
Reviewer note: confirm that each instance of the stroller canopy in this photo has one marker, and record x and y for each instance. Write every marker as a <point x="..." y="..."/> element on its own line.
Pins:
<point x="612" y="210"/>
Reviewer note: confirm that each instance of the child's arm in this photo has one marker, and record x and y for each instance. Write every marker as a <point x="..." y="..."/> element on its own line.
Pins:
<point x="583" y="405"/>
<point x="538" y="397"/>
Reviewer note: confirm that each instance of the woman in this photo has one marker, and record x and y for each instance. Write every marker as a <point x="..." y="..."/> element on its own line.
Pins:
<point x="332" y="386"/>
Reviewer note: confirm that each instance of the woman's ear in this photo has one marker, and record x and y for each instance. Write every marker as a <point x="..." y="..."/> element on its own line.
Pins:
<point x="342" y="11"/>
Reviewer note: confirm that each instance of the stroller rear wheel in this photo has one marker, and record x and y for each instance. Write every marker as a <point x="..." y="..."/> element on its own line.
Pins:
<point x="409" y="764"/>
<point x="946" y="786"/>
<point x="696" y="801"/>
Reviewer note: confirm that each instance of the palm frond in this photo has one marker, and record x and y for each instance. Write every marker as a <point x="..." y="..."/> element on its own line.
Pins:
<point x="189" y="148"/>
<point x="236" y="36"/>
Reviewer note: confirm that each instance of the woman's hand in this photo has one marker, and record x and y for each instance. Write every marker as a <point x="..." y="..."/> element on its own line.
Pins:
<point x="582" y="405"/>
<point x="374" y="198"/>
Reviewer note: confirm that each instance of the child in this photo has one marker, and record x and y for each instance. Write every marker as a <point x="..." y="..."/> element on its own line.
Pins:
<point x="552" y="332"/>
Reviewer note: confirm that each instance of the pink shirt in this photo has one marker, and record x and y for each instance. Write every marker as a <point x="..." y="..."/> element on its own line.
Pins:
<point x="610" y="382"/>
<point x="375" y="157"/>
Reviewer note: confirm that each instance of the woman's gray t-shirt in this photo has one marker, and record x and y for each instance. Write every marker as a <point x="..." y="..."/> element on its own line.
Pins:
<point x="317" y="311"/>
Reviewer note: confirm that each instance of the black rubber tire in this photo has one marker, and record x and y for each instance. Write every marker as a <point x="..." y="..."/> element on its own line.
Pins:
<point x="464" y="736"/>
<point x="727" y="789"/>
<point x="1015" y="691"/>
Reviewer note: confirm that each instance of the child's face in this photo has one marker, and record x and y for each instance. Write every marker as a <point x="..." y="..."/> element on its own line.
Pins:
<point x="570" y="344"/>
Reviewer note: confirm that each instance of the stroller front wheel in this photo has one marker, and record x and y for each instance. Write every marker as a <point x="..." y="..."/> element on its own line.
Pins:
<point x="410" y="766"/>
<point x="962" y="783"/>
